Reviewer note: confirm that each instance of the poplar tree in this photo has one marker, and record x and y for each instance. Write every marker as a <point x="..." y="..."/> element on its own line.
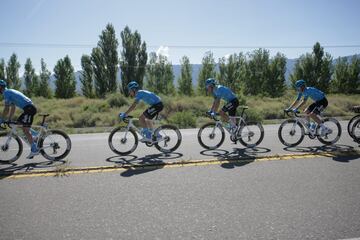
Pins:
<point x="185" y="86"/>
<point x="12" y="72"/>
<point x="65" y="79"/>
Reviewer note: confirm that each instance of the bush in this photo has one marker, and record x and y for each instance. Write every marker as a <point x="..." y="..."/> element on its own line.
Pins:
<point x="116" y="100"/>
<point x="183" y="120"/>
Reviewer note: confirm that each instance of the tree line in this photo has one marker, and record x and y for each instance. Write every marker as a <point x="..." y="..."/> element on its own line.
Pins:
<point x="254" y="73"/>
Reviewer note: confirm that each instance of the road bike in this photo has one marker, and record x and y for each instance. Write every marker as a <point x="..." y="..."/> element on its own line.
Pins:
<point x="292" y="131"/>
<point x="123" y="140"/>
<point x="353" y="128"/>
<point x="211" y="135"/>
<point x="53" y="144"/>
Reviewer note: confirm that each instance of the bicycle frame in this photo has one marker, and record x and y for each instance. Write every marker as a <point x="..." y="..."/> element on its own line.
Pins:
<point x="240" y="121"/>
<point x="131" y="125"/>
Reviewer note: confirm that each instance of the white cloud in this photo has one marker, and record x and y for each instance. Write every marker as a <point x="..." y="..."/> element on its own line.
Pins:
<point x="163" y="51"/>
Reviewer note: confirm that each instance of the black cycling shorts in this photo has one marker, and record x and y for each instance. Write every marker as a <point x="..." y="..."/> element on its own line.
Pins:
<point x="318" y="107"/>
<point x="231" y="106"/>
<point x="153" y="110"/>
<point x="27" y="117"/>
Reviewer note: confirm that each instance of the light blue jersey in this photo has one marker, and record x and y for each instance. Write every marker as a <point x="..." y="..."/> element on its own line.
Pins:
<point x="147" y="96"/>
<point x="17" y="98"/>
<point x="314" y="93"/>
<point x="222" y="92"/>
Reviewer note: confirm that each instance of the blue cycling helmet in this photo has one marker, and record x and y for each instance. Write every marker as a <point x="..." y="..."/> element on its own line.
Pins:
<point x="299" y="83"/>
<point x="2" y="83"/>
<point x="132" y="85"/>
<point x="210" y="81"/>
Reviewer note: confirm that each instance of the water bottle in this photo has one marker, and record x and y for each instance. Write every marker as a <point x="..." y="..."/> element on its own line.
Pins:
<point x="312" y="127"/>
<point x="34" y="134"/>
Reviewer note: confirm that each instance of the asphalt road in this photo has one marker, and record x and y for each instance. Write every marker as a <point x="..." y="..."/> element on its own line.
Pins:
<point x="301" y="198"/>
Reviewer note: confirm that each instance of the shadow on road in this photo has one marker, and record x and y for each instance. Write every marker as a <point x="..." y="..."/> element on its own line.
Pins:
<point x="8" y="169"/>
<point x="148" y="163"/>
<point x="344" y="153"/>
<point x="238" y="157"/>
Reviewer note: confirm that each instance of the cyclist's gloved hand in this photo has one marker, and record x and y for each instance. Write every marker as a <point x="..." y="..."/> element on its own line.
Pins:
<point x="288" y="109"/>
<point x="210" y="113"/>
<point x="295" y="110"/>
<point x="1" y="121"/>
<point x="122" y="115"/>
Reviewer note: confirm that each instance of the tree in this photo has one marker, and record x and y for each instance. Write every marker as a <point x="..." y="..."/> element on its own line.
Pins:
<point x="274" y="85"/>
<point x="31" y="79"/>
<point x="207" y="71"/>
<point x="354" y="75"/>
<point x="12" y="72"/>
<point x="86" y="78"/>
<point x="2" y="69"/>
<point x="65" y="79"/>
<point x="159" y="75"/>
<point x="346" y="78"/>
<point x="44" y="88"/>
<point x="315" y="68"/>
<point x="105" y="60"/>
<point x="232" y="71"/>
<point x="185" y="80"/>
<point x="257" y="72"/>
<point x="133" y="59"/>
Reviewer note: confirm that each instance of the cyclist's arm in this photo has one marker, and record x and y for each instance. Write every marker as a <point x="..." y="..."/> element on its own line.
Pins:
<point x="215" y="105"/>
<point x="301" y="103"/>
<point x="293" y="104"/>
<point x="12" y="111"/>
<point x="132" y="107"/>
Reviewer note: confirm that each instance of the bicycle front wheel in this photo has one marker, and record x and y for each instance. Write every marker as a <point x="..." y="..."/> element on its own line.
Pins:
<point x="211" y="136"/>
<point x="335" y="133"/>
<point x="251" y="134"/>
<point x="168" y="138"/>
<point x="291" y="133"/>
<point x="122" y="141"/>
<point x="55" y="145"/>
<point x="356" y="131"/>
<point x="10" y="148"/>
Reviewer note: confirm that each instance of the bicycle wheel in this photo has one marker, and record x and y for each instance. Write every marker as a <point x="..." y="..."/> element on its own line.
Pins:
<point x="211" y="136"/>
<point x="291" y="133"/>
<point x="351" y="124"/>
<point x="122" y="141"/>
<point x="168" y="138"/>
<point x="10" y="148"/>
<point x="335" y="134"/>
<point x="356" y="131"/>
<point x="55" y="145"/>
<point x="251" y="134"/>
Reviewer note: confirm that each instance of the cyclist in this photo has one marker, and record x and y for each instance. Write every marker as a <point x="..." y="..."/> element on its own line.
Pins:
<point x="221" y="92"/>
<point x="313" y="111"/>
<point x="146" y="117"/>
<point x="14" y="98"/>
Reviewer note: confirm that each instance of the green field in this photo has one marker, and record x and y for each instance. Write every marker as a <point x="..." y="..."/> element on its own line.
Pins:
<point x="80" y="114"/>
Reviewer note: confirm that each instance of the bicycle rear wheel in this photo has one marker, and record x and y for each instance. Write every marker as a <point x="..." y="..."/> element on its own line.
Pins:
<point x="121" y="141"/>
<point x="335" y="134"/>
<point x="351" y="124"/>
<point x="168" y="138"/>
<point x="356" y="131"/>
<point x="251" y="134"/>
<point x="10" y="148"/>
<point x="291" y="133"/>
<point x="55" y="145"/>
<point x="211" y="136"/>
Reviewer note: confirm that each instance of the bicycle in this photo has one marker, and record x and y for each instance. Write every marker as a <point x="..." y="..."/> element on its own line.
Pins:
<point x="211" y="135"/>
<point x="49" y="142"/>
<point x="352" y="122"/>
<point x="123" y="140"/>
<point x="292" y="131"/>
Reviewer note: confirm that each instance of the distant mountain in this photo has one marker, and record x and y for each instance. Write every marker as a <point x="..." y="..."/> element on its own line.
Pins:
<point x="290" y="64"/>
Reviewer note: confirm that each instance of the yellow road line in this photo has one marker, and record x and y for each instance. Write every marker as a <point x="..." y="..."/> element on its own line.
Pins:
<point x="101" y="169"/>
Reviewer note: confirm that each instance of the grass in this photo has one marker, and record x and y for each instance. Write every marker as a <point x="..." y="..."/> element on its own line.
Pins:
<point x="84" y="115"/>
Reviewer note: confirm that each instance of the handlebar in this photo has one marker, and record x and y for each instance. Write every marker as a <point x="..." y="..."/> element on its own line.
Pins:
<point x="5" y="124"/>
<point x="289" y="113"/>
<point x="214" y="116"/>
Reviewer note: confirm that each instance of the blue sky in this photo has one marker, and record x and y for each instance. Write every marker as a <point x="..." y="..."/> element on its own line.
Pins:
<point x="259" y="23"/>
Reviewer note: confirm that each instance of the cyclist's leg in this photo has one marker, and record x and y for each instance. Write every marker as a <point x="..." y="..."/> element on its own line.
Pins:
<point x="311" y="113"/>
<point x="26" y="119"/>
<point x="149" y="114"/>
<point x="230" y="108"/>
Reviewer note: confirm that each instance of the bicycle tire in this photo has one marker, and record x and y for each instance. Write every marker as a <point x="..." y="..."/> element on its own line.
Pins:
<point x="63" y="139"/>
<point x="322" y="139"/>
<point x="17" y="149"/>
<point x="113" y="143"/>
<point x="210" y="135"/>
<point x="247" y="125"/>
<point x="355" y="133"/>
<point x="351" y="123"/>
<point x="162" y="144"/>
<point x="281" y="129"/>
